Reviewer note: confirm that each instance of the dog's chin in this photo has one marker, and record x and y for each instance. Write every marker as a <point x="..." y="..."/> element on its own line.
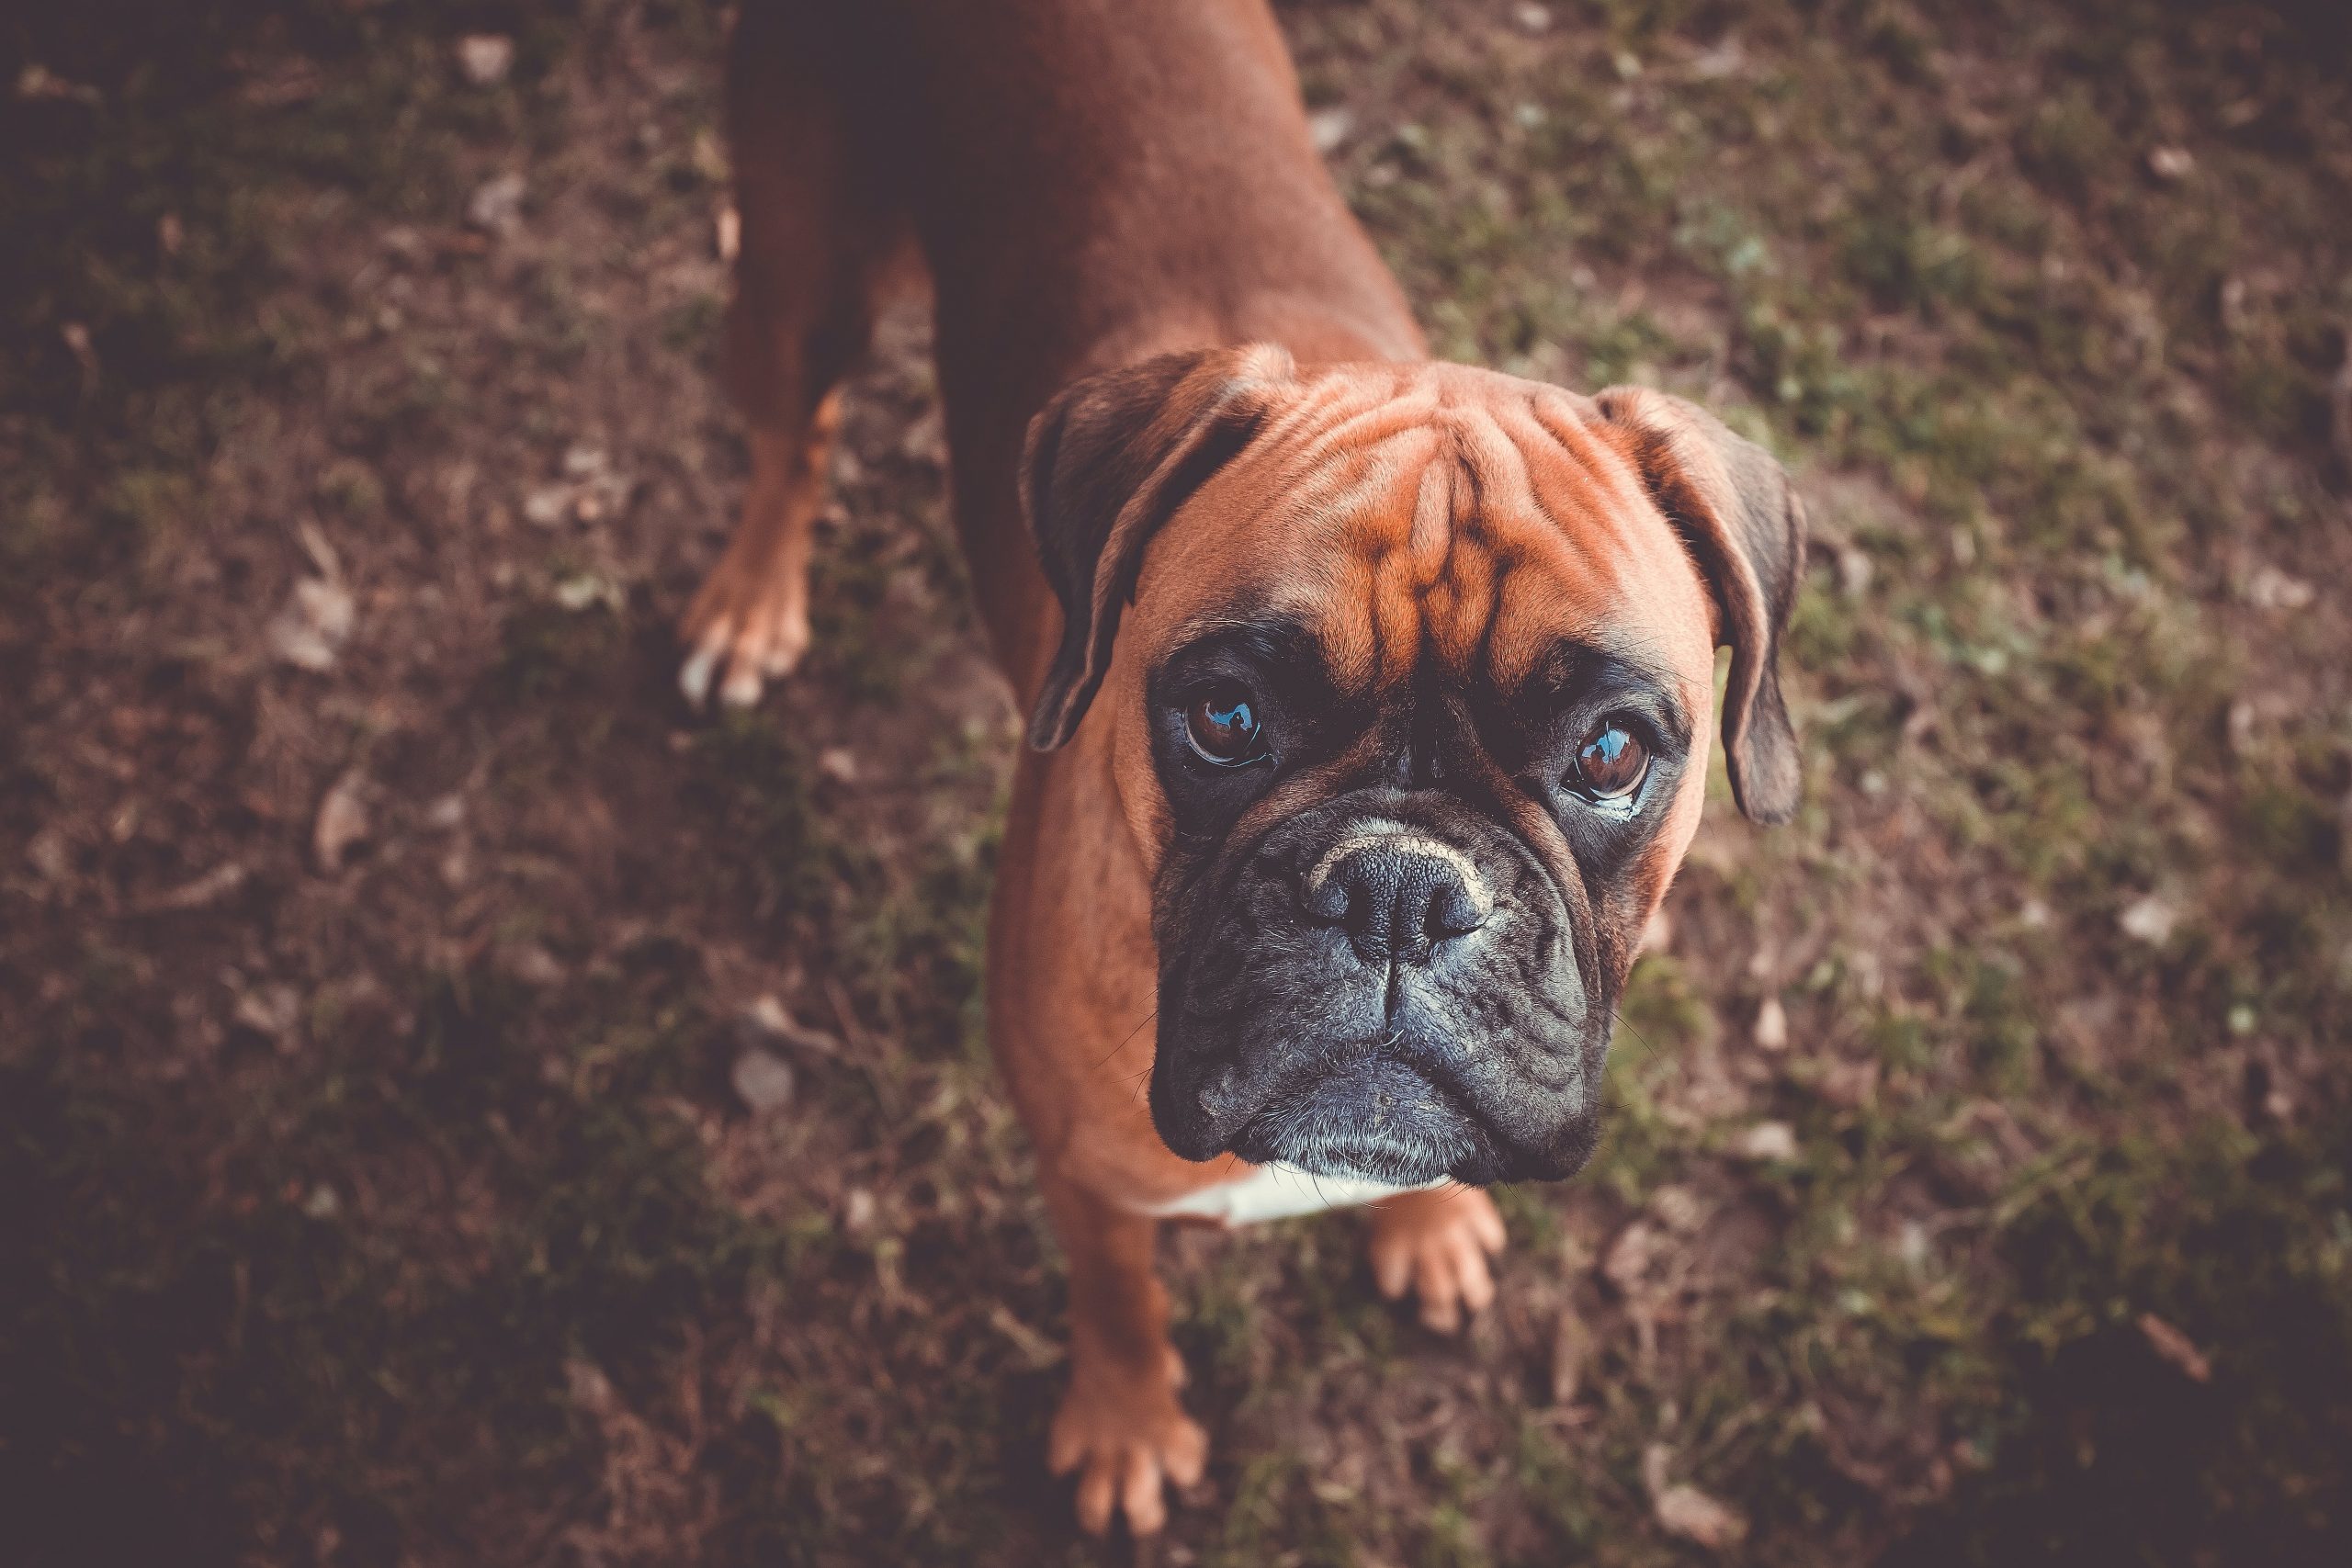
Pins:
<point x="1382" y="1123"/>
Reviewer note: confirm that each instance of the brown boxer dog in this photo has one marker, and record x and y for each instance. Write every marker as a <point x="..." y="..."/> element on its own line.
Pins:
<point x="1371" y="695"/>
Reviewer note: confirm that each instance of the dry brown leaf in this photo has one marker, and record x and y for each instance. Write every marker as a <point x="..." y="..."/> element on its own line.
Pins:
<point x="1569" y="1344"/>
<point x="1682" y="1510"/>
<point x="496" y="205"/>
<point x="2176" y="1347"/>
<point x="531" y="964"/>
<point x="1678" y="1208"/>
<point x="1627" y="1263"/>
<point x="313" y="628"/>
<point x="1767" y="1141"/>
<point x="212" y="887"/>
<point x="2151" y="919"/>
<point x="484" y="59"/>
<point x="763" y="1081"/>
<point x="341" y="821"/>
<point x="2271" y="589"/>
<point x="765" y="1023"/>
<point x="274" y="1010"/>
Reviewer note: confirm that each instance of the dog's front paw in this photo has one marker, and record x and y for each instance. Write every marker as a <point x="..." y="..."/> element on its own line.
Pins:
<point x="747" y="626"/>
<point x="1437" y="1242"/>
<point x="1125" y="1435"/>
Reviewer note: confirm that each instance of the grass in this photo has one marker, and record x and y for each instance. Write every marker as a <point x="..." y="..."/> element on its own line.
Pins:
<point x="481" y="1257"/>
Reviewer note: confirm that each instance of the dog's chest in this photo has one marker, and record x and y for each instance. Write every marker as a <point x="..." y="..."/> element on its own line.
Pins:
<point x="1275" y="1192"/>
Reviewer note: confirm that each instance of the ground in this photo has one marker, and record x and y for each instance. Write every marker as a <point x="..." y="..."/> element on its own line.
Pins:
<point x="458" y="1106"/>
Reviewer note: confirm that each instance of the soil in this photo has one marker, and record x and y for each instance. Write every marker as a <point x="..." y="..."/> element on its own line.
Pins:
<point x="458" y="1105"/>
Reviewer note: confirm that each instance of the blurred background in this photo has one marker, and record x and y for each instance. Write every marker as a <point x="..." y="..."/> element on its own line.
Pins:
<point x="457" y="1107"/>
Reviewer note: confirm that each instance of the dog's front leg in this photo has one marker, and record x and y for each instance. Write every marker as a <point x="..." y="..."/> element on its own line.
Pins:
<point x="1120" y="1425"/>
<point x="1436" y="1242"/>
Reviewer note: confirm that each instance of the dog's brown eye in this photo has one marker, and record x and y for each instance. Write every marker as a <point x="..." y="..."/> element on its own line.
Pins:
<point x="1611" y="762"/>
<point x="1222" y="724"/>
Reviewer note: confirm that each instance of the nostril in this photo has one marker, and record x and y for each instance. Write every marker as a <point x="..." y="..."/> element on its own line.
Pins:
<point x="1328" y="899"/>
<point x="1451" y="913"/>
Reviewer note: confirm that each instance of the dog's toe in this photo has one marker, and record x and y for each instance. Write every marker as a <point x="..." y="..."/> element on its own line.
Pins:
<point x="745" y="631"/>
<point x="694" y="676"/>
<point x="1127" y="1441"/>
<point x="1438" y="1242"/>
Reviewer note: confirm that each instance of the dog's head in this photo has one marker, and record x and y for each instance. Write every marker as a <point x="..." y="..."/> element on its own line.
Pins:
<point x="1405" y="675"/>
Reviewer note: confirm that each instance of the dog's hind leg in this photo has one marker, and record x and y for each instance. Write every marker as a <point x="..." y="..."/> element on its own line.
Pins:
<point x="823" y="243"/>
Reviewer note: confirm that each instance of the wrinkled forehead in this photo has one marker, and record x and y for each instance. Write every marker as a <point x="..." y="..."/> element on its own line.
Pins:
<point x="1439" y="518"/>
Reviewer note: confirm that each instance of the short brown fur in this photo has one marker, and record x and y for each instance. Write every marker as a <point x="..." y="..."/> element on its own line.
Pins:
<point x="1088" y="184"/>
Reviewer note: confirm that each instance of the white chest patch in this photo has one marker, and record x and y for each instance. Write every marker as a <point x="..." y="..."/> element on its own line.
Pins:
<point x="1277" y="1193"/>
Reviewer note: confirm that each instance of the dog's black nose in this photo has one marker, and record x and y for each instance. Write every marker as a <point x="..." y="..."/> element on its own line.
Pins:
<point x="1398" y="895"/>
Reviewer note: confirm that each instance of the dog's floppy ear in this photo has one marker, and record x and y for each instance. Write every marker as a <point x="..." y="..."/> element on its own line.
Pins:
<point x="1735" y="509"/>
<point x="1107" y="462"/>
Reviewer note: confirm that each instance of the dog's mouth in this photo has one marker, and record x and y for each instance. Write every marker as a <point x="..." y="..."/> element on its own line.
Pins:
<point x="1381" y="1119"/>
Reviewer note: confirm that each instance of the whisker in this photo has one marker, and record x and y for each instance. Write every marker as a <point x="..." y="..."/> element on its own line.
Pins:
<point x="1618" y="1015"/>
<point x="1131" y="1033"/>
